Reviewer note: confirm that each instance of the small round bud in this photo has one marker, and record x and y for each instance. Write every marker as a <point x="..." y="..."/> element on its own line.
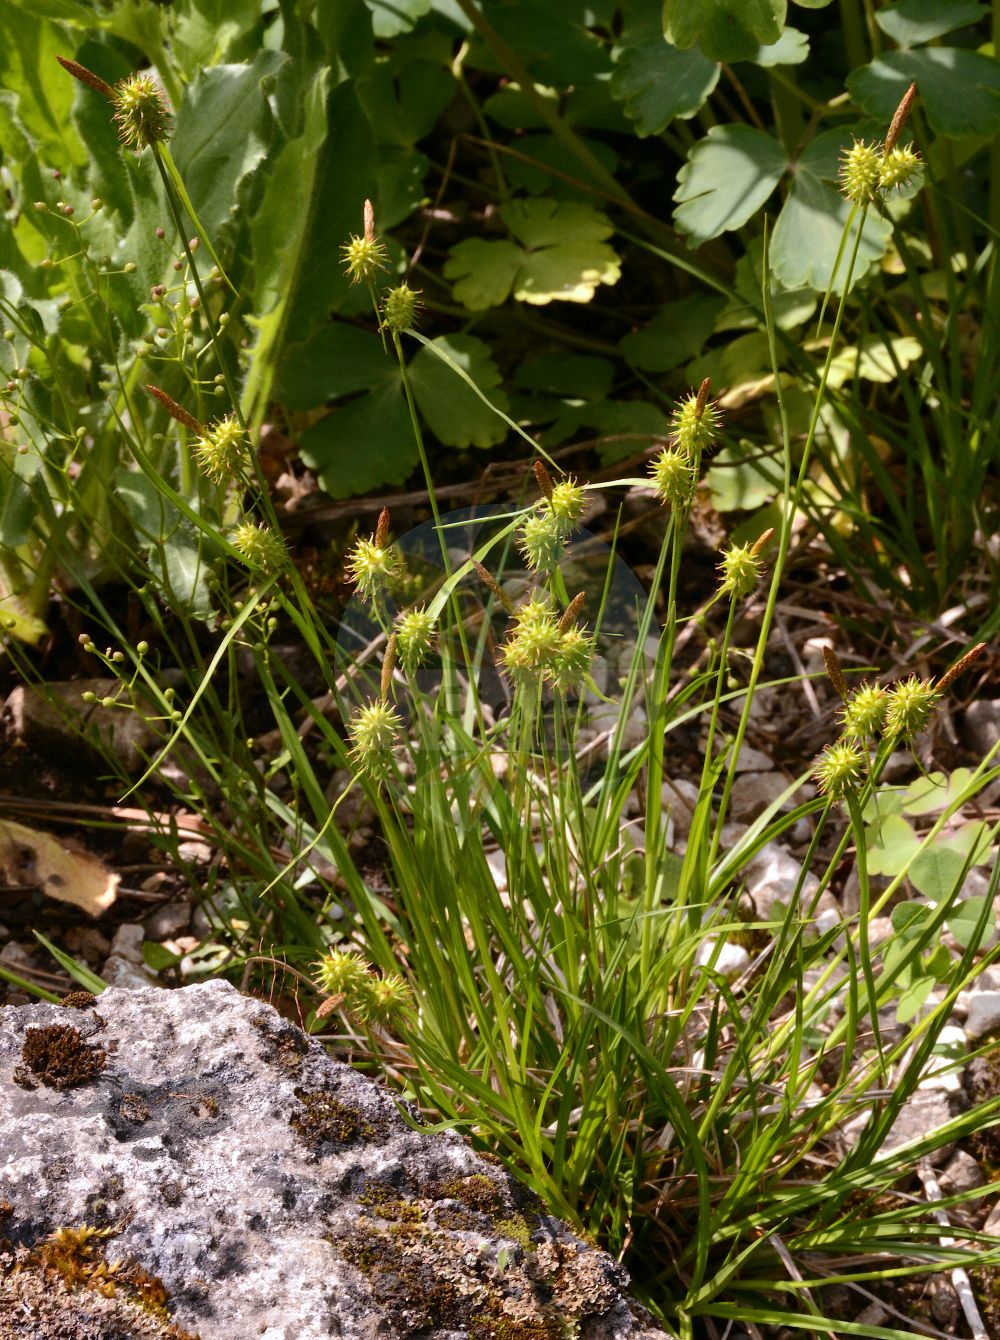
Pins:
<point x="142" y="648"/>
<point x="129" y="268"/>
<point x="97" y="204"/>
<point x="41" y="206"/>
<point x="161" y="234"/>
<point x="108" y="701"/>
<point x="45" y="264"/>
<point x="118" y="656"/>
<point x="8" y="335"/>
<point x="89" y="696"/>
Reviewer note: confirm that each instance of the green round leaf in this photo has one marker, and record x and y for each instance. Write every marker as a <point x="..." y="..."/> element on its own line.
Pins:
<point x="959" y="90"/>
<point x="727" y="30"/>
<point x="454" y="413"/>
<point x="728" y="176"/>
<point x="914" y="21"/>
<point x="657" y="82"/>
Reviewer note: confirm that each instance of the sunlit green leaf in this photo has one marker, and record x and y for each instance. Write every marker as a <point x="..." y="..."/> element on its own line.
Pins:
<point x="727" y="30"/>
<point x="959" y="90"/>
<point x="937" y="869"/>
<point x="914" y="21"/>
<point x="454" y="413"/>
<point x="791" y="48"/>
<point x="728" y="176"/>
<point x="562" y="256"/>
<point x="222" y="135"/>
<point x="911" y="1000"/>
<point x="964" y="918"/>
<point x="891" y="845"/>
<point x="935" y="791"/>
<point x="657" y="82"/>
<point x="872" y="361"/>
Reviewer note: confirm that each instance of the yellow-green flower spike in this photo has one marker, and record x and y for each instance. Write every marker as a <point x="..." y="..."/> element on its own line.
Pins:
<point x="414" y="638"/>
<point x="374" y="730"/>
<point x="860" y="172"/>
<point x="400" y="307"/>
<point x="372" y="567"/>
<point x="259" y="547"/>
<point x="541" y="540"/>
<point x="673" y="477"/>
<point x="739" y="571"/>
<point x="341" y="972"/>
<point x="141" y="113"/>
<point x="864" y="712"/>
<point x="222" y="451"/>
<point x="898" y="166"/>
<point x="839" y="769"/>
<point x="911" y="702"/>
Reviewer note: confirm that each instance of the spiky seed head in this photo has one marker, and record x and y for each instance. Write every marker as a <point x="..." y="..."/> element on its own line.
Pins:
<point x="541" y="541"/>
<point x="374" y="730"/>
<point x="400" y="307"/>
<point x="384" y="999"/>
<point x="839" y="769"/>
<point x="897" y="167"/>
<point x="911" y="702"/>
<point x="572" y="660"/>
<point x="372" y="567"/>
<point x="141" y="113"/>
<point x="259" y="547"/>
<point x="695" y="423"/>
<point x="860" y="172"/>
<point x="864" y="712"/>
<point x="414" y="638"/>
<point x="739" y="571"/>
<point x="566" y="503"/>
<point x="534" y="641"/>
<point x="222" y="451"/>
<point x="673" y="476"/>
<point x="341" y="972"/>
<point x="363" y="258"/>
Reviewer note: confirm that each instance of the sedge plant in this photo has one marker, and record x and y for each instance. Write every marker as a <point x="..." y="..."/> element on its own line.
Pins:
<point x="542" y="961"/>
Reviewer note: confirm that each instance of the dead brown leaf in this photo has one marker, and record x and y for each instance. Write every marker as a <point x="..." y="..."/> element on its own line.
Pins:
<point x="33" y="860"/>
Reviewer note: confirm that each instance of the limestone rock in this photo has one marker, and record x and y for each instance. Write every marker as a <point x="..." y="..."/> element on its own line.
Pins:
<point x="268" y="1190"/>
